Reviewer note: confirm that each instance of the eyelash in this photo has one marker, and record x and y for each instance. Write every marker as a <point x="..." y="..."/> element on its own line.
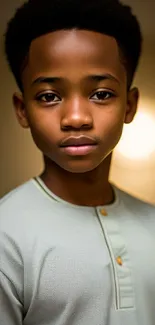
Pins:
<point x="40" y="97"/>
<point x="104" y="93"/>
<point x="100" y="92"/>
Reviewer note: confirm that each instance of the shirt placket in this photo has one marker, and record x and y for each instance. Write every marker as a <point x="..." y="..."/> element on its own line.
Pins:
<point x="120" y="261"/>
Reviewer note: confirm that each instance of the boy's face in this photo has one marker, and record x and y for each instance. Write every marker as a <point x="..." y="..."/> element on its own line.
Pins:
<point x="75" y="98"/>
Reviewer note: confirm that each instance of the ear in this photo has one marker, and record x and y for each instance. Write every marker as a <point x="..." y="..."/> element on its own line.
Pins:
<point x="132" y="103"/>
<point x="19" y="106"/>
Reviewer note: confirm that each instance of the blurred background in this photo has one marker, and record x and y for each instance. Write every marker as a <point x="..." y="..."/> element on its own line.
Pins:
<point x="133" y="166"/>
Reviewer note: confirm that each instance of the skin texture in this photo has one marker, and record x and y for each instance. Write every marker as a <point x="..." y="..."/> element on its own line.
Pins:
<point x="76" y="104"/>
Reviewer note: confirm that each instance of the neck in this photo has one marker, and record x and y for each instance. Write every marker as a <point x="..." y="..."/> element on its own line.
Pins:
<point x="86" y="189"/>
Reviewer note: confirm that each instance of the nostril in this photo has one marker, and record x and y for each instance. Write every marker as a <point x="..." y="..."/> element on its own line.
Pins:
<point x="66" y="127"/>
<point x="87" y="126"/>
<point x="79" y="128"/>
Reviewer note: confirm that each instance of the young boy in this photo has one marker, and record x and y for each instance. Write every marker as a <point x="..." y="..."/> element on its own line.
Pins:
<point x="74" y="249"/>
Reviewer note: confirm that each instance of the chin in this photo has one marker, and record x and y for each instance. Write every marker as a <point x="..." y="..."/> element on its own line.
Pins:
<point x="79" y="168"/>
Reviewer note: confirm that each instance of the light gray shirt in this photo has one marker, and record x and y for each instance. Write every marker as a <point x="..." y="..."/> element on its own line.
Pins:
<point x="62" y="264"/>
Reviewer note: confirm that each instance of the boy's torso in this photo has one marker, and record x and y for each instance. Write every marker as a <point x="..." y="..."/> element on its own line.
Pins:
<point x="80" y="265"/>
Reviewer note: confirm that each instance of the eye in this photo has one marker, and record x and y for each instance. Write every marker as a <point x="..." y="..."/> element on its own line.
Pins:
<point x="102" y="95"/>
<point x="48" y="98"/>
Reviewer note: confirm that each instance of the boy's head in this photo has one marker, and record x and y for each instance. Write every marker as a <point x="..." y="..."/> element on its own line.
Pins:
<point x="37" y="17"/>
<point x="74" y="62"/>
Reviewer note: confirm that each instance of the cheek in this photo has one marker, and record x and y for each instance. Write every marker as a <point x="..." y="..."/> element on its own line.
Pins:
<point x="42" y="119"/>
<point x="110" y="128"/>
<point x="111" y="121"/>
<point x="44" y="128"/>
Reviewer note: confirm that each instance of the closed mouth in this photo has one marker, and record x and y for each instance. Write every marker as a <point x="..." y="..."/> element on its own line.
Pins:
<point x="78" y="141"/>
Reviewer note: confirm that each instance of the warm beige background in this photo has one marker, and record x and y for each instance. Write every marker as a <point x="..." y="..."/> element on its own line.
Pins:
<point x="20" y="160"/>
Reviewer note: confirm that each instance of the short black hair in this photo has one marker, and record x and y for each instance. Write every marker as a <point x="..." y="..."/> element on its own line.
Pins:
<point x="38" y="17"/>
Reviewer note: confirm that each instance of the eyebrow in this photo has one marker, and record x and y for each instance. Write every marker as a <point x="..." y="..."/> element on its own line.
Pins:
<point x="95" y="77"/>
<point x="103" y="77"/>
<point x="47" y="80"/>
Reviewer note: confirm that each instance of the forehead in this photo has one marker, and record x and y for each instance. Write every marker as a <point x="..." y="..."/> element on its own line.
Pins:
<point x="74" y="51"/>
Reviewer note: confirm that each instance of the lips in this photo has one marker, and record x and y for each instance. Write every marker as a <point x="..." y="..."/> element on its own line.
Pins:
<point x="78" y="146"/>
<point x="78" y="141"/>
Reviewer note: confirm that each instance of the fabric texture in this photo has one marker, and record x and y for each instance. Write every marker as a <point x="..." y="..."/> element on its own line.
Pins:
<point x="62" y="264"/>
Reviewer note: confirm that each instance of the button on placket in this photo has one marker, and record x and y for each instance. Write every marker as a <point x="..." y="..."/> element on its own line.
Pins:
<point x="103" y="212"/>
<point x="122" y="269"/>
<point x="119" y="261"/>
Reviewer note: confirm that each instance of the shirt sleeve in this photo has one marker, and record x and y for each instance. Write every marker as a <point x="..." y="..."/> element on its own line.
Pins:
<point x="11" y="279"/>
<point x="10" y="305"/>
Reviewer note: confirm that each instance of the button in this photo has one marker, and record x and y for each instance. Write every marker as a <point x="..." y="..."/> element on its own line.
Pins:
<point x="103" y="212"/>
<point x="119" y="261"/>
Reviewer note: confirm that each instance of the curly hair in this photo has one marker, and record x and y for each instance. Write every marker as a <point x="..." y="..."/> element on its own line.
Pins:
<point x="38" y="17"/>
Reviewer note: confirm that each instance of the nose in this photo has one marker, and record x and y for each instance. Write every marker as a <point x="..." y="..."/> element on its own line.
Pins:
<point x="76" y="115"/>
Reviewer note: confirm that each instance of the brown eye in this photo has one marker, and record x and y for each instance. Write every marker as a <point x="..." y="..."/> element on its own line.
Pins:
<point x="102" y="95"/>
<point x="48" y="98"/>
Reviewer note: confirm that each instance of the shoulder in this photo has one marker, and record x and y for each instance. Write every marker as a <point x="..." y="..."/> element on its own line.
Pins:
<point x="12" y="211"/>
<point x="24" y="207"/>
<point x="135" y="205"/>
<point x="23" y="198"/>
<point x="19" y="207"/>
<point x="17" y="199"/>
<point x="22" y="214"/>
<point x="17" y="193"/>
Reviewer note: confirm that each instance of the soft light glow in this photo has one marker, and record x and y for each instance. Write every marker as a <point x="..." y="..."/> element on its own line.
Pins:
<point x="138" y="138"/>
